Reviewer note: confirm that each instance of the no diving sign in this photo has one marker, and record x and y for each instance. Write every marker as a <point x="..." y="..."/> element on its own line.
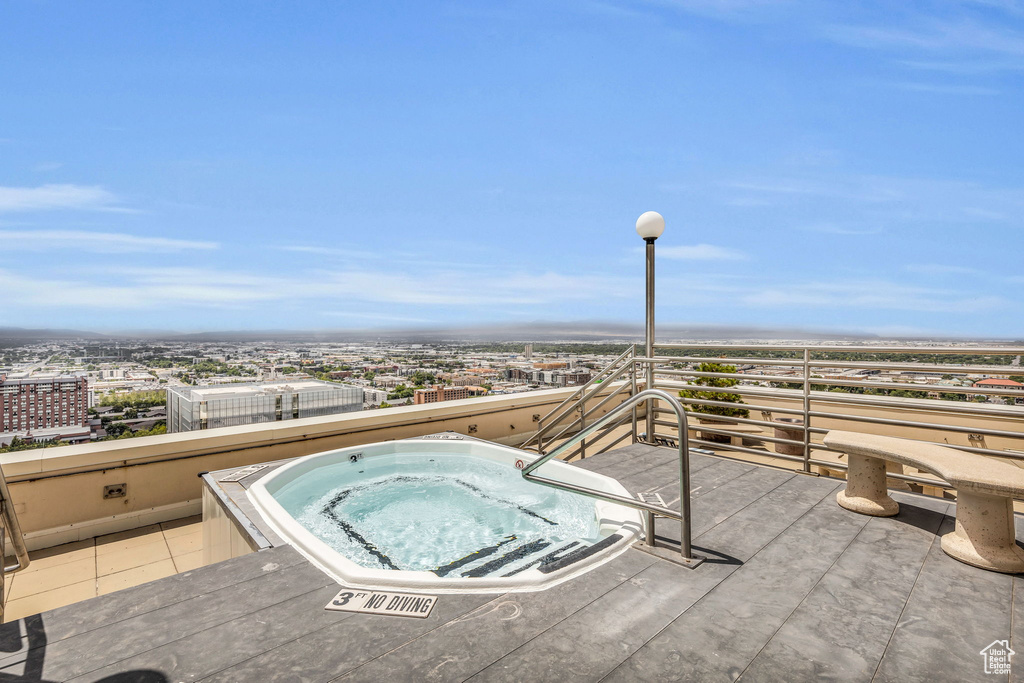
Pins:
<point x="382" y="602"/>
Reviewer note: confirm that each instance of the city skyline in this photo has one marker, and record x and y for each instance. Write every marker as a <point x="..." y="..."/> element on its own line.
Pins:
<point x="825" y="166"/>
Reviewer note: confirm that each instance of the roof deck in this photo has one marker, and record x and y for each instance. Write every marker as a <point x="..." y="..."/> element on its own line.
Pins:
<point x="794" y="588"/>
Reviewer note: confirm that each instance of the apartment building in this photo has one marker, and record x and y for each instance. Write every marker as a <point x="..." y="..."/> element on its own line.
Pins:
<point x="440" y="393"/>
<point x="43" y="403"/>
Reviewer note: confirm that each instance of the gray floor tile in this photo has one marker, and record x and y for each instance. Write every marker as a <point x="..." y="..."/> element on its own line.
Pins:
<point x="719" y="636"/>
<point x="954" y="611"/>
<point x="842" y="628"/>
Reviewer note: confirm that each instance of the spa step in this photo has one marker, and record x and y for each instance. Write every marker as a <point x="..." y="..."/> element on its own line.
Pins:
<point x="532" y="554"/>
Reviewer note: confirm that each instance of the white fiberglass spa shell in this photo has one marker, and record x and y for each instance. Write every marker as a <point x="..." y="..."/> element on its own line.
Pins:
<point x="618" y="526"/>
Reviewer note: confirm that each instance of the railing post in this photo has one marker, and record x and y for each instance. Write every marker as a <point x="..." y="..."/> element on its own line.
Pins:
<point x="632" y="385"/>
<point x="807" y="410"/>
<point x="540" y="436"/>
<point x="583" y="425"/>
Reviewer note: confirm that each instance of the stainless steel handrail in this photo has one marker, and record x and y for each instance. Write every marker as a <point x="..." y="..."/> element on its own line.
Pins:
<point x="576" y="397"/>
<point x="684" y="471"/>
<point x="10" y="522"/>
<point x="584" y="414"/>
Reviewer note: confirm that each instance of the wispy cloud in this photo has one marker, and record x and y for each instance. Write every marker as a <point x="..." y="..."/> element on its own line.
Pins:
<point x="458" y="288"/>
<point x="833" y="229"/>
<point x="376" y="317"/>
<point x="47" y="166"/>
<point x="873" y="294"/>
<point x="969" y="67"/>
<point x="700" y="252"/>
<point x="935" y="35"/>
<point x="724" y="10"/>
<point x="152" y="289"/>
<point x="187" y="287"/>
<point x="58" y="197"/>
<point x="330" y="251"/>
<point x="941" y="89"/>
<point x="875" y="203"/>
<point x="95" y="242"/>
<point x="940" y="269"/>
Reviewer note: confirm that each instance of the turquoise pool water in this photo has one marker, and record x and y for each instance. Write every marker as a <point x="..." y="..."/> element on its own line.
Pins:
<point x="445" y="513"/>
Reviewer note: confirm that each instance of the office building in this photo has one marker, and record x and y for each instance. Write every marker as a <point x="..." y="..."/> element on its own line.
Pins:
<point x="229" y="405"/>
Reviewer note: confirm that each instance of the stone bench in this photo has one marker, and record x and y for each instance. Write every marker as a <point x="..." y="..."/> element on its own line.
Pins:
<point x="985" y="489"/>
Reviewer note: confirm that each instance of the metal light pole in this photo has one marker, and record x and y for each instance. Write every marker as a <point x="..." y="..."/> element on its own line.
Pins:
<point x="650" y="225"/>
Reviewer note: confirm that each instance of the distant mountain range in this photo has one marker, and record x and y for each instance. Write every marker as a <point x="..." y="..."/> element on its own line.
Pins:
<point x="28" y="334"/>
<point x="589" y="331"/>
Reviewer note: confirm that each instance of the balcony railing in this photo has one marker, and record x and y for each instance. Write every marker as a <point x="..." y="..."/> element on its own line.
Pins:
<point x="809" y="388"/>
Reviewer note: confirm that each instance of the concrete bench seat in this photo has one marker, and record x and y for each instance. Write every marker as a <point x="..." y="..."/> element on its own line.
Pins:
<point x="985" y="488"/>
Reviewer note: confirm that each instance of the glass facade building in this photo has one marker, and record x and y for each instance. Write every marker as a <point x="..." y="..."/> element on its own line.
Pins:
<point x="230" y="405"/>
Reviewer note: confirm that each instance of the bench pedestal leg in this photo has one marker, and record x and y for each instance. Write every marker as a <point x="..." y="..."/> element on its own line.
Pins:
<point x="984" y="535"/>
<point x="865" y="488"/>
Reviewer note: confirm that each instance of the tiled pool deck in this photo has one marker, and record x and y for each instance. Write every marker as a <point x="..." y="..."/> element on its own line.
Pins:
<point x="73" y="572"/>
<point x="795" y="589"/>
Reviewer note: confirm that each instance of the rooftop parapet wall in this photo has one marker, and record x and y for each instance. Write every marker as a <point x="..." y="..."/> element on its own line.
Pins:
<point x="58" y="492"/>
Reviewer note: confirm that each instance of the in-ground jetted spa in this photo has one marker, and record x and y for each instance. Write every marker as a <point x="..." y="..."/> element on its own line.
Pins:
<point x="442" y="513"/>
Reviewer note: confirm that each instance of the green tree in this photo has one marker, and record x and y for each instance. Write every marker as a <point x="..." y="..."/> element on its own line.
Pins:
<point x="115" y="429"/>
<point x="718" y="382"/>
<point x="419" y="378"/>
<point x="401" y="391"/>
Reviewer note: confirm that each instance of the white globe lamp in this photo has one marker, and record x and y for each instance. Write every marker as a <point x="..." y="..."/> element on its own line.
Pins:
<point x="650" y="225"/>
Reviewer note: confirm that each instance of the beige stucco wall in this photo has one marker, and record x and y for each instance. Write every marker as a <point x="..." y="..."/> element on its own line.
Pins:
<point x="58" y="492"/>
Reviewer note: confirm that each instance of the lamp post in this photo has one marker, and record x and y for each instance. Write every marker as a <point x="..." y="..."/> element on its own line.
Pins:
<point x="650" y="225"/>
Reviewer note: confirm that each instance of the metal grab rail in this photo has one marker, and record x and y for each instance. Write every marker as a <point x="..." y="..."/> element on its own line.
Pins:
<point x="13" y="527"/>
<point x="684" y="472"/>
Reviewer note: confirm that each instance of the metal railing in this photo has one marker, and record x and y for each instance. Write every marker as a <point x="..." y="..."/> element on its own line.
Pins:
<point x="12" y="531"/>
<point x="683" y="516"/>
<point x="10" y="528"/>
<point x="577" y="403"/>
<point x="807" y="384"/>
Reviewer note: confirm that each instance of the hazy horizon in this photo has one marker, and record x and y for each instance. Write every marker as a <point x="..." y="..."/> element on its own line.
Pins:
<point x="586" y="332"/>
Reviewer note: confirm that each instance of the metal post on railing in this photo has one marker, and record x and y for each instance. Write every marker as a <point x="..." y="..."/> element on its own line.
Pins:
<point x="650" y="226"/>
<point x="583" y="425"/>
<point x="632" y="385"/>
<point x="807" y="410"/>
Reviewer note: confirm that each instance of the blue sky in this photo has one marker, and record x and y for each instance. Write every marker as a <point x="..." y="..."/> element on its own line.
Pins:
<point x="849" y="166"/>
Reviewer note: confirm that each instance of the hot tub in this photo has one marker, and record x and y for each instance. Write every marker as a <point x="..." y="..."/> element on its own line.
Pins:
<point x="445" y="515"/>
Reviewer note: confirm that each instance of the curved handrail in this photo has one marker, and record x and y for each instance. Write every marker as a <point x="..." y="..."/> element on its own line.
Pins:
<point x="684" y="470"/>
